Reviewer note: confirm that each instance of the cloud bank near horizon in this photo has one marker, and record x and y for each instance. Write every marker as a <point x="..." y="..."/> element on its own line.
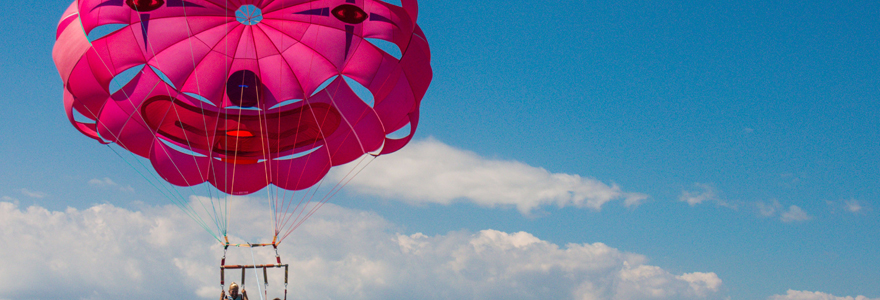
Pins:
<point x="806" y="295"/>
<point x="108" y="252"/>
<point x="457" y="175"/>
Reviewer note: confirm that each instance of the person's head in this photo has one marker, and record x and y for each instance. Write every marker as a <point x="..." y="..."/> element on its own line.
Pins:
<point x="277" y="299"/>
<point x="233" y="289"/>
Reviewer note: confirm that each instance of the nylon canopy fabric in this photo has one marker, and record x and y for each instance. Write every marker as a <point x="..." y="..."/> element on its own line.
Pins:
<point x="243" y="93"/>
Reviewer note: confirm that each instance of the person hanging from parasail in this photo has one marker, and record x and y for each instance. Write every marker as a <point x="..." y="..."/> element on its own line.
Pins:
<point x="233" y="293"/>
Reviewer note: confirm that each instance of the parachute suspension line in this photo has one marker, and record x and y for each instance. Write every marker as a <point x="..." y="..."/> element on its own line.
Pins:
<point x="255" y="274"/>
<point x="225" y="166"/>
<point x="318" y="205"/>
<point x="330" y="155"/>
<point x="179" y="202"/>
<point x="306" y="99"/>
<point x="285" y="203"/>
<point x="339" y="186"/>
<point x="275" y="205"/>
<point x="264" y="145"/>
<point x="214" y="217"/>
<point x="218" y="218"/>
<point x="167" y="194"/>
<point x="127" y="97"/>
<point x="235" y="150"/>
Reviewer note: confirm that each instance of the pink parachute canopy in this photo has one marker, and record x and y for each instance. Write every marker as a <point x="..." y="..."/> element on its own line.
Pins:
<point x="244" y="93"/>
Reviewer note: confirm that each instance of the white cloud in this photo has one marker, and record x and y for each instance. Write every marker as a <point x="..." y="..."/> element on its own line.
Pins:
<point x="853" y="206"/>
<point x="106" y="252"/>
<point x="805" y="295"/>
<point x="774" y="209"/>
<point x="703" y="193"/>
<point x="769" y="210"/>
<point x="109" y="183"/>
<point x="429" y="171"/>
<point x="34" y="194"/>
<point x="794" y="214"/>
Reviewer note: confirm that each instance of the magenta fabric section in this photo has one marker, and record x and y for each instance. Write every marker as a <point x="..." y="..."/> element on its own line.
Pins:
<point x="187" y="52"/>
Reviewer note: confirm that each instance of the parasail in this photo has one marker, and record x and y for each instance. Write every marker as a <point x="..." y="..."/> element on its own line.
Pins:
<point x="241" y="95"/>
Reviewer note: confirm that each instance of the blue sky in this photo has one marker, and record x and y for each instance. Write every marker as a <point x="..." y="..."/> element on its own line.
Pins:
<point x="765" y="115"/>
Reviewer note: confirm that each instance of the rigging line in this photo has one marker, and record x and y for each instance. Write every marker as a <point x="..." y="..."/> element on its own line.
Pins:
<point x="372" y="158"/>
<point x="280" y="75"/>
<point x="254" y="259"/>
<point x="333" y="191"/>
<point x="324" y="136"/>
<point x="178" y="203"/>
<point x="312" y="190"/>
<point x="202" y="108"/>
<point x="325" y="199"/>
<point x="277" y="175"/>
<point x="173" y="163"/>
<point x="186" y="181"/>
<point x="264" y="128"/>
<point x="297" y="208"/>
<point x="331" y="194"/>
<point x="306" y="100"/>
<point x="237" y="142"/>
<point x="330" y="156"/>
<point x="285" y="204"/>
<point x="296" y="136"/>
<point x="226" y="166"/>
<point x="127" y="97"/>
<point x="115" y="137"/>
<point x="215" y="218"/>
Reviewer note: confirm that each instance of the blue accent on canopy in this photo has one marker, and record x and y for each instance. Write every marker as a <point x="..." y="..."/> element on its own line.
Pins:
<point x="123" y="78"/>
<point x="103" y="30"/>
<point x="323" y="85"/>
<point x="200" y="98"/>
<point x="249" y="15"/>
<point x="285" y="103"/>
<point x="360" y="90"/>
<point x="298" y="155"/>
<point x="389" y="47"/>
<point x="163" y="77"/>
<point x="400" y="133"/>
<point x="179" y="148"/>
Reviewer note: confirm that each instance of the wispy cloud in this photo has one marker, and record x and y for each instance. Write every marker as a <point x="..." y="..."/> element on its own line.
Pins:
<point x="34" y="194"/>
<point x="853" y="206"/>
<point x="805" y="295"/>
<point x="108" y="183"/>
<point x="768" y="209"/>
<point x="429" y="171"/>
<point x="849" y="206"/>
<point x="107" y="252"/>
<point x="788" y="215"/>
<point x="794" y="214"/>
<point x="701" y="194"/>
